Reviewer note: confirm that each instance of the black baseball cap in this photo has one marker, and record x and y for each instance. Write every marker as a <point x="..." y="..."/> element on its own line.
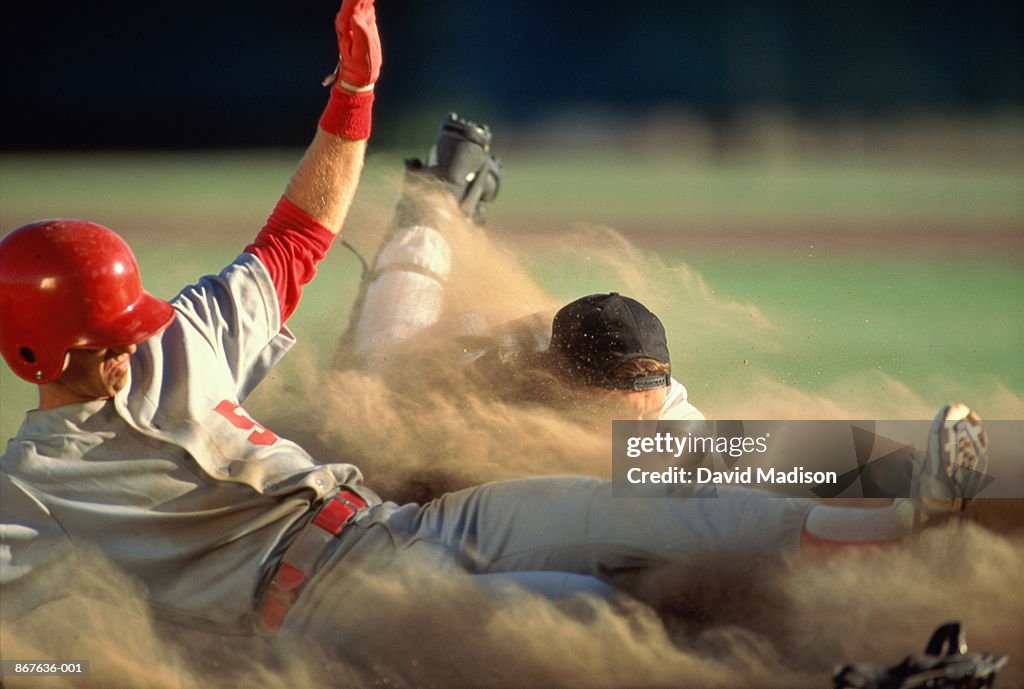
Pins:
<point x="595" y="334"/>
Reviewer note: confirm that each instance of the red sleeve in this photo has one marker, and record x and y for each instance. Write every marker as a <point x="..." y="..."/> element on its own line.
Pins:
<point x="290" y="246"/>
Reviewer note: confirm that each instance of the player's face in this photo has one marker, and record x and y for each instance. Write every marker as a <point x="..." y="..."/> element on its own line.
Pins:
<point x="94" y="374"/>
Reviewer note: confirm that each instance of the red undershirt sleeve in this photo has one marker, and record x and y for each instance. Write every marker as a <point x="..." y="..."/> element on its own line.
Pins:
<point x="290" y="246"/>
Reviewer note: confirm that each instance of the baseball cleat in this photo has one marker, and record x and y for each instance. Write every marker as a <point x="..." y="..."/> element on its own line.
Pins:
<point x="461" y="158"/>
<point x="945" y="488"/>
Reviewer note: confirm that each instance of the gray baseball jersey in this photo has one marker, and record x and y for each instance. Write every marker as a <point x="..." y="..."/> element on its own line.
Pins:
<point x="172" y="480"/>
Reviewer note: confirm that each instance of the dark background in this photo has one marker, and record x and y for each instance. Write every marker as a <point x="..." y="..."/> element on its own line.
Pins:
<point x="226" y="74"/>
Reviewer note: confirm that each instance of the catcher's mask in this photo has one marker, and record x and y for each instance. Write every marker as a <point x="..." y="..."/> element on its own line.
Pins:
<point x="70" y="284"/>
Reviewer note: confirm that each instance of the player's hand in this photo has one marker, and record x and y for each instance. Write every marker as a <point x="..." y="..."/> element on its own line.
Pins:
<point x="358" y="46"/>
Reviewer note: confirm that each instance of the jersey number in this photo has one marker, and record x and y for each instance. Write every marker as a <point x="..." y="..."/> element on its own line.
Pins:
<point x="239" y="418"/>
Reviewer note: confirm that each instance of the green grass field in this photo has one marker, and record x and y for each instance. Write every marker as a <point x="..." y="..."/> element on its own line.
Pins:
<point x="859" y="270"/>
<point x="561" y="187"/>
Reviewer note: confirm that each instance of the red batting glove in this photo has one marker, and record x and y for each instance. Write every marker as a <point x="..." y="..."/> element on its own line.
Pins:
<point x="358" y="45"/>
<point x="348" y="112"/>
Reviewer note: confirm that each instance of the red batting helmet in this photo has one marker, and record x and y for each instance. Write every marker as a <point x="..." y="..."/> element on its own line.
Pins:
<point x="69" y="284"/>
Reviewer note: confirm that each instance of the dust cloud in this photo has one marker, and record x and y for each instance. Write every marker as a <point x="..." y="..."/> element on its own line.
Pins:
<point x="419" y="424"/>
<point x="718" y="624"/>
<point x="420" y="421"/>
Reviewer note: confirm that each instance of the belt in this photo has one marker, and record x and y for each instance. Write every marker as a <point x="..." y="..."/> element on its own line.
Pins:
<point x="302" y="555"/>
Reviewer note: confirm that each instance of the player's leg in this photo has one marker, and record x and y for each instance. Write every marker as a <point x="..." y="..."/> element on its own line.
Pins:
<point x="573" y="524"/>
<point x="378" y="573"/>
<point x="403" y="292"/>
<point x="554" y="536"/>
<point x="551" y="585"/>
<point x="943" y="492"/>
<point x="403" y="295"/>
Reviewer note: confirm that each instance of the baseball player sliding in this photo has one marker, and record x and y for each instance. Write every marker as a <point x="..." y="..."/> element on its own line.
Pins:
<point x="141" y="447"/>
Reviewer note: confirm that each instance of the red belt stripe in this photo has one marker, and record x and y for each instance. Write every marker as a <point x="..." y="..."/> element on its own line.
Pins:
<point x="298" y="561"/>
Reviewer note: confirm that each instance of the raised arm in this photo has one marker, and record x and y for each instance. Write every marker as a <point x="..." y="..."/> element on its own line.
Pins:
<point x="327" y="177"/>
<point x="317" y="199"/>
